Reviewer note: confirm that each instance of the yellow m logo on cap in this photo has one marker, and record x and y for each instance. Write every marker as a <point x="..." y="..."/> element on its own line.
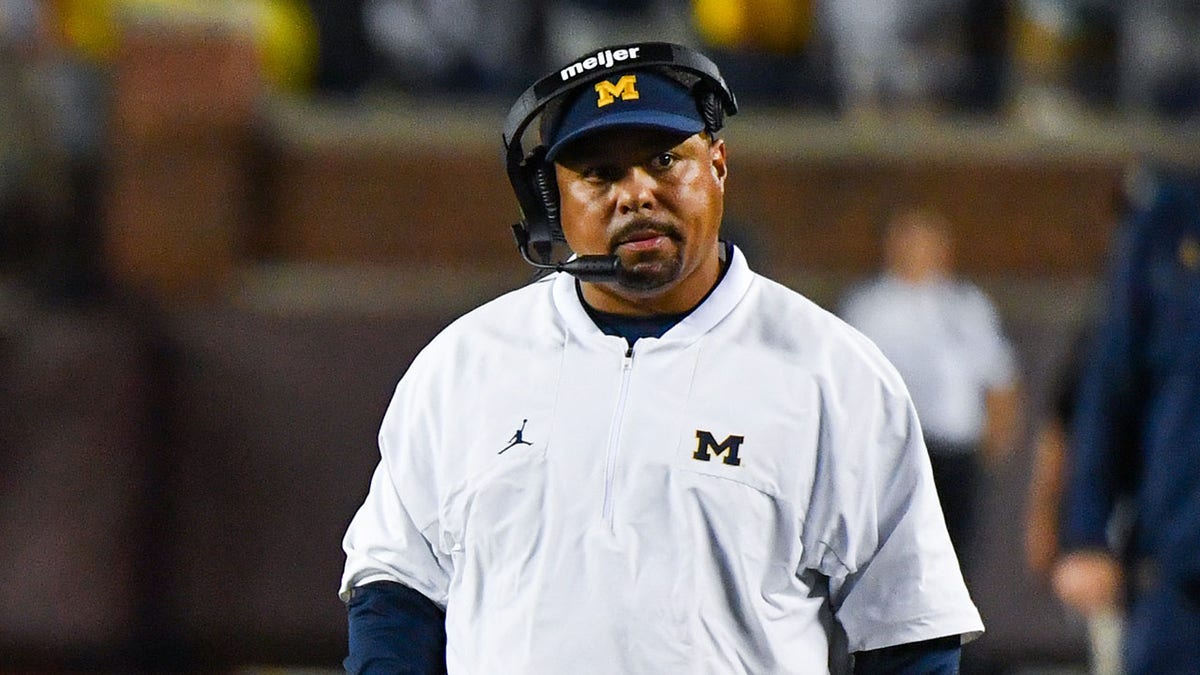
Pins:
<point x="625" y="88"/>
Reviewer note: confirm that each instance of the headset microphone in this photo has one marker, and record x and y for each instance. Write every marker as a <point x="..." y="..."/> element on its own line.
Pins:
<point x="591" y="268"/>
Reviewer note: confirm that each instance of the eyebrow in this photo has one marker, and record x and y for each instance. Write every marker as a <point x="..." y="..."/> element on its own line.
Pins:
<point x="645" y="153"/>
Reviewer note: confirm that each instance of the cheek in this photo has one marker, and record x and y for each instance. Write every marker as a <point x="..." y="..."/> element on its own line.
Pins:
<point x="582" y="214"/>
<point x="702" y="198"/>
<point x="703" y="182"/>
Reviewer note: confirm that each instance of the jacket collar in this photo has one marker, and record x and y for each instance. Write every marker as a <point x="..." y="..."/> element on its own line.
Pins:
<point x="715" y="307"/>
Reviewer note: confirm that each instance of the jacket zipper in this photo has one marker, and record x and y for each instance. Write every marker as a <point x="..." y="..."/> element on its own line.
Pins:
<point x="614" y="438"/>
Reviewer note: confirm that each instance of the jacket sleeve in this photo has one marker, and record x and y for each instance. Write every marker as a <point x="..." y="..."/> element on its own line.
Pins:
<point x="395" y="630"/>
<point x="940" y="656"/>
<point x="873" y="525"/>
<point x="396" y="535"/>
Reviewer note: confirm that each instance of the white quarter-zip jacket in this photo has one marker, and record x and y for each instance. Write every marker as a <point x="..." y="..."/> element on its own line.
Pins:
<point x="749" y="493"/>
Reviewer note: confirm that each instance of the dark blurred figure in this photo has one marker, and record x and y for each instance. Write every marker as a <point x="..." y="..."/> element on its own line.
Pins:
<point x="980" y="87"/>
<point x="1105" y="615"/>
<point x="1140" y="393"/>
<point x="345" y="61"/>
<point x="1105" y="620"/>
<point x="19" y="139"/>
<point x="51" y="126"/>
<point x="777" y="51"/>
<point x="1095" y="69"/>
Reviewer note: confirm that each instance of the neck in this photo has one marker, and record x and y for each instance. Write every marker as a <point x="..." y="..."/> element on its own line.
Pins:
<point x="917" y="277"/>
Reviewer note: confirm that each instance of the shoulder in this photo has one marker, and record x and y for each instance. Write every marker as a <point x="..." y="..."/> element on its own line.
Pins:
<point x="970" y="300"/>
<point x="967" y="289"/>
<point x="864" y="293"/>
<point x="1167" y="213"/>
<point x="518" y="319"/>
<point x="519" y="311"/>
<point x="820" y="341"/>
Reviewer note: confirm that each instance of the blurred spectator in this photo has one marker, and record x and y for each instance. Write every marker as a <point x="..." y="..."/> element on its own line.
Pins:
<point x="19" y="28"/>
<point x="50" y="103"/>
<point x="870" y="53"/>
<point x="777" y="26"/>
<point x="55" y="77"/>
<point x="1050" y="61"/>
<point x="774" y="51"/>
<point x="465" y="47"/>
<point x="1064" y="56"/>
<point x="287" y="35"/>
<point x="1160" y="62"/>
<point x="1141" y="391"/>
<point x="945" y="338"/>
<point x="574" y="27"/>
<point x="285" y="32"/>
<point x="1072" y="57"/>
<point x="917" y="55"/>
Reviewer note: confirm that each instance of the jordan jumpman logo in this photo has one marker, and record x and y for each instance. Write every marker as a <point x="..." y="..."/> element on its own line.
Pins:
<point x="517" y="438"/>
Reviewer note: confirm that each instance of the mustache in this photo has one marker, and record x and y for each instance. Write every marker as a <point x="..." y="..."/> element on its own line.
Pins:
<point x="643" y="225"/>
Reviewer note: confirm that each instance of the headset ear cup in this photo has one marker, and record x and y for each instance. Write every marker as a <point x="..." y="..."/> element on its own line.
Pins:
<point x="540" y="185"/>
<point x="712" y="110"/>
<point x="546" y="187"/>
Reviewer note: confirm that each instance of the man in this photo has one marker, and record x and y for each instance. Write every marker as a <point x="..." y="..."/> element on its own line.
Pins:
<point x="944" y="336"/>
<point x="667" y="464"/>
<point x="1136" y="431"/>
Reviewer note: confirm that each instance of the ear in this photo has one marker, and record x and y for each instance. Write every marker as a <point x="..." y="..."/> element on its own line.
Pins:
<point x="716" y="153"/>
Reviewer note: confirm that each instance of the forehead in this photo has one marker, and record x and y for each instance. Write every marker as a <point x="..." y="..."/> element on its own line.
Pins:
<point x="622" y="144"/>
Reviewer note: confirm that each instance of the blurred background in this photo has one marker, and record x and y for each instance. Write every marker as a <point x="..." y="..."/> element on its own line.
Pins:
<point x="226" y="227"/>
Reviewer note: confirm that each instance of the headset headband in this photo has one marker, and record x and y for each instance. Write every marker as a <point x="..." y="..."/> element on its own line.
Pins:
<point x="605" y="62"/>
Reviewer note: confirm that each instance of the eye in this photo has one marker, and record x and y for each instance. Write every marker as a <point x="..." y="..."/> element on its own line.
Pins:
<point x="600" y="174"/>
<point x="663" y="160"/>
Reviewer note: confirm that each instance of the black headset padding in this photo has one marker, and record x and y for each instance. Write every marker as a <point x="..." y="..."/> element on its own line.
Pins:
<point x="710" y="105"/>
<point x="532" y="177"/>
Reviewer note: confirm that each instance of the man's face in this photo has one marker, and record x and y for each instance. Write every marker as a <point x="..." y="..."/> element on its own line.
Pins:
<point x="918" y="248"/>
<point x="653" y="199"/>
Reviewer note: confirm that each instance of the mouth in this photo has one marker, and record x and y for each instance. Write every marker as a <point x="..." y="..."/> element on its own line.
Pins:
<point x="651" y="253"/>
<point x="643" y="243"/>
<point x="641" y="238"/>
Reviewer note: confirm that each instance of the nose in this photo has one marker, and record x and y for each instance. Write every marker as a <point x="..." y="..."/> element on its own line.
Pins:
<point x="635" y="191"/>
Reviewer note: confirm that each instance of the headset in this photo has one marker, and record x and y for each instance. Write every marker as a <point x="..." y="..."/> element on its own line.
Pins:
<point x="532" y="175"/>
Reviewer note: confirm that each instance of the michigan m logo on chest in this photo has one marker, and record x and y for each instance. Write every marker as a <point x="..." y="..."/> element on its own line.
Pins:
<point x="727" y="450"/>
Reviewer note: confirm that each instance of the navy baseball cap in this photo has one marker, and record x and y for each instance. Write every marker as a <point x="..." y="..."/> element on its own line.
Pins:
<point x="630" y="99"/>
